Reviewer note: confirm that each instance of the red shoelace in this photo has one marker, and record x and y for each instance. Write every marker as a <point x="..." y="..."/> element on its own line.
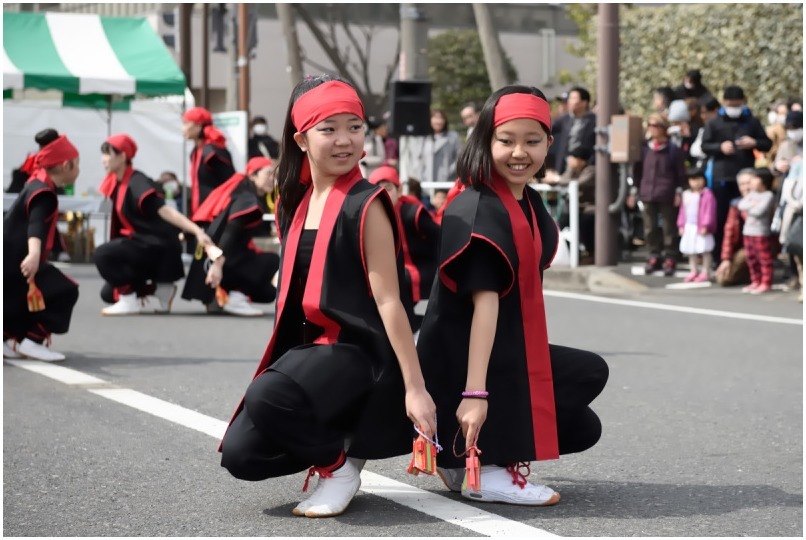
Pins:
<point x="324" y="472"/>
<point x="519" y="478"/>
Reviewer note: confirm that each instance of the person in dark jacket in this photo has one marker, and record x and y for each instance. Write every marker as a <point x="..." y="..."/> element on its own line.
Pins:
<point x="692" y="86"/>
<point x="731" y="139"/>
<point x="574" y="129"/>
<point x="261" y="144"/>
<point x="660" y="178"/>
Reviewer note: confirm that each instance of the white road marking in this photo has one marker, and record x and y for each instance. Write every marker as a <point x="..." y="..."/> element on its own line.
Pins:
<point x="57" y="373"/>
<point x="690" y="285"/>
<point x="462" y="515"/>
<point x="679" y="309"/>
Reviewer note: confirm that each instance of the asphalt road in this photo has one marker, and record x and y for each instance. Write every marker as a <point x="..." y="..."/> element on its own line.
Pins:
<point x="702" y="434"/>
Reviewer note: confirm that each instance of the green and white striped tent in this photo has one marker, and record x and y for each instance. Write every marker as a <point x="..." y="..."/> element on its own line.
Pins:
<point x="87" y="54"/>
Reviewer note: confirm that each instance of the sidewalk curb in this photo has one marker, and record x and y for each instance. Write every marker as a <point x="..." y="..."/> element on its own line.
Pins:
<point x="590" y="279"/>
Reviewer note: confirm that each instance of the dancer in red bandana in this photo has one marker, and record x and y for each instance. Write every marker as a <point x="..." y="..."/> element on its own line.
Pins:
<point x="497" y="238"/>
<point x="234" y="213"/>
<point x="419" y="235"/>
<point x="142" y="259"/>
<point x="210" y="161"/>
<point x="38" y="299"/>
<point x="340" y="375"/>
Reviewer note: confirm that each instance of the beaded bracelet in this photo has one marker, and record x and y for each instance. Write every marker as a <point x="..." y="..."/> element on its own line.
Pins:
<point x="479" y="394"/>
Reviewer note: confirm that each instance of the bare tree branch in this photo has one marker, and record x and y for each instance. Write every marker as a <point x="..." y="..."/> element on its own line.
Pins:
<point x="331" y="52"/>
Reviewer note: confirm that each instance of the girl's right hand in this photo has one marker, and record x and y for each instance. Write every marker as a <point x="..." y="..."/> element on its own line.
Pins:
<point x="471" y="415"/>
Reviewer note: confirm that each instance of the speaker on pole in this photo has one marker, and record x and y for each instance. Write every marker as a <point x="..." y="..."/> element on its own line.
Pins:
<point x="411" y="108"/>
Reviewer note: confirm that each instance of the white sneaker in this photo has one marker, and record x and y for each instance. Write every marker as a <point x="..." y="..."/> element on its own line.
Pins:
<point x="165" y="294"/>
<point x="238" y="304"/>
<point x="499" y="484"/>
<point x="8" y="350"/>
<point x="333" y="494"/>
<point x="63" y="257"/>
<point x="35" y="351"/>
<point x="452" y="478"/>
<point x="127" y="304"/>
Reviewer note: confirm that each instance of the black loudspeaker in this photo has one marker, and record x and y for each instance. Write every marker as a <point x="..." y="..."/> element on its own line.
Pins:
<point x="411" y="108"/>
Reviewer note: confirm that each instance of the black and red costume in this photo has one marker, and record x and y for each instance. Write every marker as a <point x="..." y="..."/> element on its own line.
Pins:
<point x="210" y="162"/>
<point x="235" y="212"/>
<point x="143" y="249"/>
<point x="34" y="215"/>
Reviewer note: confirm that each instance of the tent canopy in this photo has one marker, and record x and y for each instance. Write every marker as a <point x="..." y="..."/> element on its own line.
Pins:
<point x="87" y="54"/>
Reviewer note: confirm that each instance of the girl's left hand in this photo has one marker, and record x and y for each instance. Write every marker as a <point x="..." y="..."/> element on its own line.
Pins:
<point x="30" y="266"/>
<point x="421" y="410"/>
<point x="703" y="231"/>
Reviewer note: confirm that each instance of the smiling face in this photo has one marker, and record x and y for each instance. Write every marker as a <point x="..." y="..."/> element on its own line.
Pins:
<point x="334" y="145"/>
<point x="519" y="149"/>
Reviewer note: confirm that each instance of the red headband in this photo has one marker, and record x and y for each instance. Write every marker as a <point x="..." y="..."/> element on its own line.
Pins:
<point x="123" y="143"/>
<point x="512" y="106"/>
<point x="56" y="153"/>
<point x="257" y="163"/>
<point x="385" y="173"/>
<point x="198" y="115"/>
<point x="324" y="101"/>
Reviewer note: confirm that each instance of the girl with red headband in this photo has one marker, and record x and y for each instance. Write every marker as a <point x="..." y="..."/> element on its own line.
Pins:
<point x="210" y="161"/>
<point x="340" y="374"/>
<point x="514" y="397"/>
<point x="38" y="299"/>
<point x="234" y="211"/>
<point x="142" y="259"/>
<point x="419" y="236"/>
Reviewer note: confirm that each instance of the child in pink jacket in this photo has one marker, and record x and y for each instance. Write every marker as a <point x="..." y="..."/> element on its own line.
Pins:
<point x="696" y="222"/>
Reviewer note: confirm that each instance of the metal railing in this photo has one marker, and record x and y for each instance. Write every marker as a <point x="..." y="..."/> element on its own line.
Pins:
<point x="572" y="192"/>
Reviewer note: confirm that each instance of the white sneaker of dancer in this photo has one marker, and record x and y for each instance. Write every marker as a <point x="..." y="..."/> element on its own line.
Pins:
<point x="238" y="304"/>
<point x="164" y="296"/>
<point x="452" y="478"/>
<point x="333" y="493"/>
<point x="35" y="351"/>
<point x="8" y="349"/>
<point x="127" y="304"/>
<point x="508" y="485"/>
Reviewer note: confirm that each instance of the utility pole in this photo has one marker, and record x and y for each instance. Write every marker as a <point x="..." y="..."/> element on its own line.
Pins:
<point x="205" y="68"/>
<point x="493" y="58"/>
<point x="185" y="11"/>
<point x="413" y="43"/>
<point x="413" y="66"/>
<point x="243" y="58"/>
<point x="607" y="97"/>
<point x="294" y="68"/>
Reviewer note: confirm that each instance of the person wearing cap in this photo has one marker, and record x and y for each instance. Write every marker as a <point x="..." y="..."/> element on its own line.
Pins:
<point x="210" y="161"/>
<point x="420" y="236"/>
<point x="680" y="129"/>
<point x="484" y="343"/>
<point x="38" y="299"/>
<point x="142" y="259"/>
<point x="374" y="146"/>
<point x="340" y="381"/>
<point x="731" y="138"/>
<point x="234" y="212"/>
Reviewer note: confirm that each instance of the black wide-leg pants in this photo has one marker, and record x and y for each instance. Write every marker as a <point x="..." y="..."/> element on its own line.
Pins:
<point x="277" y="433"/>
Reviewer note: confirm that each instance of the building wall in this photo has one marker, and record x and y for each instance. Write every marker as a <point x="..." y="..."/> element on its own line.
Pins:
<point x="522" y="32"/>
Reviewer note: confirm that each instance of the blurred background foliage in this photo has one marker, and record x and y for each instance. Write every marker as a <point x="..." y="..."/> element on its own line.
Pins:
<point x="458" y="73"/>
<point x="757" y="46"/>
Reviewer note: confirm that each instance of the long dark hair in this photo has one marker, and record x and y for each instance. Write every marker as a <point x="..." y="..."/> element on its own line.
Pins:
<point x="289" y="168"/>
<point x="475" y="163"/>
